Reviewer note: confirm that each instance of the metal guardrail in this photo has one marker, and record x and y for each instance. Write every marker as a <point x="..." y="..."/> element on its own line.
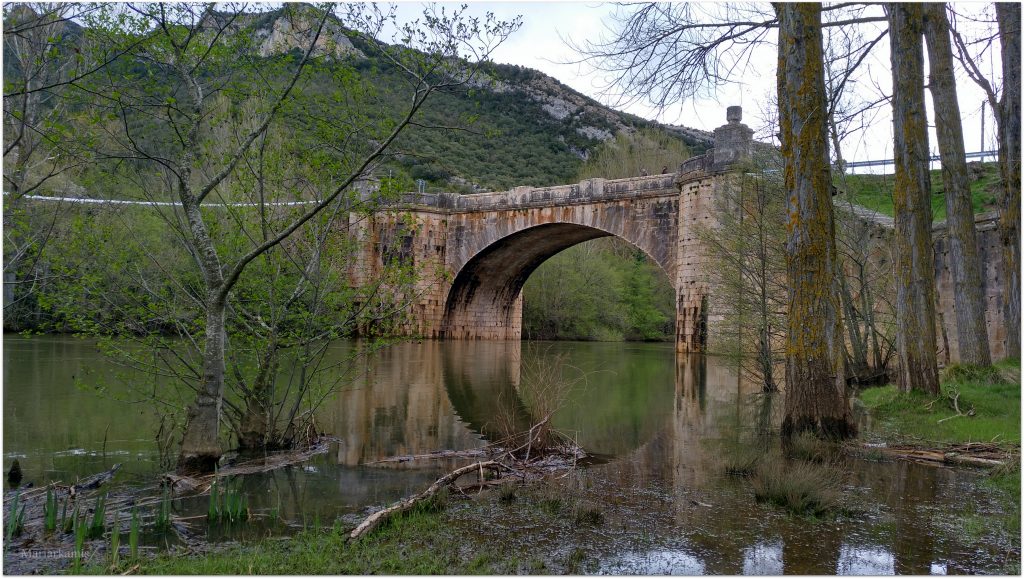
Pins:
<point x="854" y="164"/>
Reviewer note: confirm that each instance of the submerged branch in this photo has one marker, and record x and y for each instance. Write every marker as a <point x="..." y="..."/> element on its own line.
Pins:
<point x="376" y="519"/>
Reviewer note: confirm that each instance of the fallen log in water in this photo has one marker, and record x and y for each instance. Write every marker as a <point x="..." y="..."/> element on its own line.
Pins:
<point x="96" y="480"/>
<point x="983" y="455"/>
<point x="376" y="519"/>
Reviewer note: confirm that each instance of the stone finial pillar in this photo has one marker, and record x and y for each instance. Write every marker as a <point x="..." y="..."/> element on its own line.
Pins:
<point x="733" y="141"/>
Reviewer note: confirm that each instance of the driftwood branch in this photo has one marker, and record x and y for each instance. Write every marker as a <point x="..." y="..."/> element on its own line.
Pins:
<point x="376" y="519"/>
<point x="954" y="397"/>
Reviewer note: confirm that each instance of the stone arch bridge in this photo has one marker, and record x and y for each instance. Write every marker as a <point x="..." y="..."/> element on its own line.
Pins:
<point x="476" y="251"/>
<point x="481" y="248"/>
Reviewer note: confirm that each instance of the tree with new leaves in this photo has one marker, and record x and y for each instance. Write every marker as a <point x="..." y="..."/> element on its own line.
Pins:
<point x="913" y="257"/>
<point x="747" y="246"/>
<point x="816" y="398"/>
<point x="41" y="56"/>
<point x="165" y="112"/>
<point x="964" y="260"/>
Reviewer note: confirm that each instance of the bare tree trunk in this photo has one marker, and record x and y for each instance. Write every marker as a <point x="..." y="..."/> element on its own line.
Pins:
<point x="1008" y="17"/>
<point x="913" y="259"/>
<point x="200" y="445"/>
<point x="964" y="261"/>
<point x="815" y="379"/>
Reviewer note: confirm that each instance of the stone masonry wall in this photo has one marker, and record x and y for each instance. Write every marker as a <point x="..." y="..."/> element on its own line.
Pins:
<point x="992" y="277"/>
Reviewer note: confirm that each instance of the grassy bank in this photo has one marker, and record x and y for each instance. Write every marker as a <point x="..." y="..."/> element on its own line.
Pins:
<point x="415" y="544"/>
<point x="918" y="417"/>
<point x="875" y="191"/>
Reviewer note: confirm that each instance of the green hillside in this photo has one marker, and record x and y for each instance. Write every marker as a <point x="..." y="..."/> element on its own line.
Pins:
<point x="875" y="191"/>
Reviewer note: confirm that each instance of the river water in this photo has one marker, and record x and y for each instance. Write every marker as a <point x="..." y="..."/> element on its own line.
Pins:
<point x="652" y="417"/>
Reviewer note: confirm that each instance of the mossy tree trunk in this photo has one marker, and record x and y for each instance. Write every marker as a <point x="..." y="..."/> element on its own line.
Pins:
<point x="913" y="258"/>
<point x="815" y="378"/>
<point x="1008" y="18"/>
<point x="964" y="261"/>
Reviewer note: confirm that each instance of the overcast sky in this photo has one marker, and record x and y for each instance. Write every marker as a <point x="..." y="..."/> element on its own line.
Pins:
<point x="539" y="44"/>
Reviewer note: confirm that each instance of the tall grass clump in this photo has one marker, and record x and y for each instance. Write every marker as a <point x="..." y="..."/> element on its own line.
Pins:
<point x="740" y="459"/>
<point x="802" y="488"/>
<point x="968" y="373"/>
<point x="805" y="446"/>
<point x="67" y="524"/>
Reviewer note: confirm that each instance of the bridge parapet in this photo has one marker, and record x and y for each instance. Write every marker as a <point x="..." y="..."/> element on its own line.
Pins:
<point x="588" y="191"/>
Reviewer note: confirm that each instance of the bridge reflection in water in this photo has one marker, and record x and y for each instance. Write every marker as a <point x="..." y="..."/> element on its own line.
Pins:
<point x="656" y="416"/>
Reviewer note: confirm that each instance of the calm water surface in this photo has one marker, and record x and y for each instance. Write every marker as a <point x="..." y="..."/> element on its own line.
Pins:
<point x="652" y="416"/>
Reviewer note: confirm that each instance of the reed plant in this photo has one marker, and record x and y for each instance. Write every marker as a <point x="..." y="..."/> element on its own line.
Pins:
<point x="229" y="505"/>
<point x="98" y="524"/>
<point x="16" y="517"/>
<point x="67" y="524"/>
<point x="81" y="530"/>
<point x="213" y="508"/>
<point x="808" y="447"/>
<point x="115" y="541"/>
<point x="133" y="535"/>
<point x="50" y="511"/>
<point x="163" y="512"/>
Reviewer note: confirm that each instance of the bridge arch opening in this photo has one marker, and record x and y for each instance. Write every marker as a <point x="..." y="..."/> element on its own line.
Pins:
<point x="485" y="299"/>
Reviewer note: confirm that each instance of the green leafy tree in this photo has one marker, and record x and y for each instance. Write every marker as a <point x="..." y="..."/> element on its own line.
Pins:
<point x="746" y="246"/>
<point x="189" y="104"/>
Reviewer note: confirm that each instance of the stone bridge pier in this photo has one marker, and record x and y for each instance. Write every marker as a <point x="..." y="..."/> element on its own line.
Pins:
<point x="475" y="252"/>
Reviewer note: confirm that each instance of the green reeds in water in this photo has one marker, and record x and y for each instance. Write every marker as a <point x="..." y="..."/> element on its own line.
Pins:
<point x="803" y="488"/>
<point x="213" y="510"/>
<point x="115" y="541"/>
<point x="235" y="506"/>
<point x="133" y="535"/>
<point x="98" y="524"/>
<point x="50" y="511"/>
<point x="81" y="530"/>
<point x="163" y="513"/>
<point x="230" y="506"/>
<point x="16" y="517"/>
